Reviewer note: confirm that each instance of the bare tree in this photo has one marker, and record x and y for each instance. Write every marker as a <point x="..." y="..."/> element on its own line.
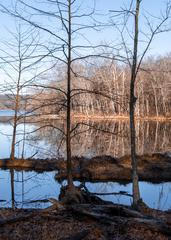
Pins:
<point x="136" y="192"/>
<point x="72" y="22"/>
<point x="19" y="65"/>
<point x="134" y="61"/>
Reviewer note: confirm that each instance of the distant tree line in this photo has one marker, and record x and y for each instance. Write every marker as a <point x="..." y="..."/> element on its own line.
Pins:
<point x="153" y="90"/>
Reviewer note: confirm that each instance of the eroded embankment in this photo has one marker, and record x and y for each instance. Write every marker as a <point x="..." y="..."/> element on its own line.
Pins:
<point x="154" y="167"/>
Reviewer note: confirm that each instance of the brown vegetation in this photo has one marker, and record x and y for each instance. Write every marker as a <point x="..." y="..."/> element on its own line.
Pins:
<point x="153" y="168"/>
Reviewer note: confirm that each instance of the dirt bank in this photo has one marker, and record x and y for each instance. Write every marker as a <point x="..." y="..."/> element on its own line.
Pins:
<point x="88" y="222"/>
<point x="154" y="167"/>
<point x="151" y="167"/>
<point x="31" y="164"/>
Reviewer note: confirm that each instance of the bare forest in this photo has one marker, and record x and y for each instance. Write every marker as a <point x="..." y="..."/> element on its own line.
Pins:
<point x="110" y="84"/>
<point x="85" y="104"/>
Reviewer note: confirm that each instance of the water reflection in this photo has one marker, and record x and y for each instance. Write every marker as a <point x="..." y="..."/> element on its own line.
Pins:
<point x="12" y="189"/>
<point x="29" y="187"/>
<point x="27" y="143"/>
<point x="108" y="138"/>
<point x="89" y="138"/>
<point x="24" y="188"/>
<point x="157" y="196"/>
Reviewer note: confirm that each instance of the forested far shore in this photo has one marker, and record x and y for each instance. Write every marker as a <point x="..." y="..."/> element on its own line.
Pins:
<point x="102" y="91"/>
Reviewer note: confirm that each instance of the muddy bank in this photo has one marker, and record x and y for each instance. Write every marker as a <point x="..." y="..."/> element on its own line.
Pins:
<point x="31" y="164"/>
<point x="151" y="167"/>
<point x="85" y="221"/>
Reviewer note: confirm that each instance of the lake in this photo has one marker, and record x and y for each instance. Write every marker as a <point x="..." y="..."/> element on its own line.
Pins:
<point x="101" y="137"/>
<point x="30" y="189"/>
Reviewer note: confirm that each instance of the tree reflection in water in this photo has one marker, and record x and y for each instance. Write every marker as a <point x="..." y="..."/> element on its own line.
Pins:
<point x="92" y="138"/>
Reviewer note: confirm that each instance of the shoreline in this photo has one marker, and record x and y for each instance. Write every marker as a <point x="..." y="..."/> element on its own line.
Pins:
<point x="95" y="117"/>
<point x="155" y="167"/>
<point x="106" y="117"/>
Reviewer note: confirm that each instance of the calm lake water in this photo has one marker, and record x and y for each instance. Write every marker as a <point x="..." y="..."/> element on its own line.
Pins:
<point x="28" y="187"/>
<point x="35" y="140"/>
<point x="89" y="138"/>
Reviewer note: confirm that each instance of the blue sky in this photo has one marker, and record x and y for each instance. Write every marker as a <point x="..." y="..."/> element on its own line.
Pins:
<point x="160" y="45"/>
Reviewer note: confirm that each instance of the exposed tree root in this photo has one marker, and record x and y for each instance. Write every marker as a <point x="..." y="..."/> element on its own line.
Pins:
<point x="76" y="202"/>
<point x="79" y="195"/>
<point x="108" y="214"/>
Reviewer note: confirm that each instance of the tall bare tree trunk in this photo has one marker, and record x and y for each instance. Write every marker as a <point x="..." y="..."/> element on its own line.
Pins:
<point x="24" y="130"/>
<point x="136" y="193"/>
<point x="68" y="134"/>
<point x="16" y="108"/>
